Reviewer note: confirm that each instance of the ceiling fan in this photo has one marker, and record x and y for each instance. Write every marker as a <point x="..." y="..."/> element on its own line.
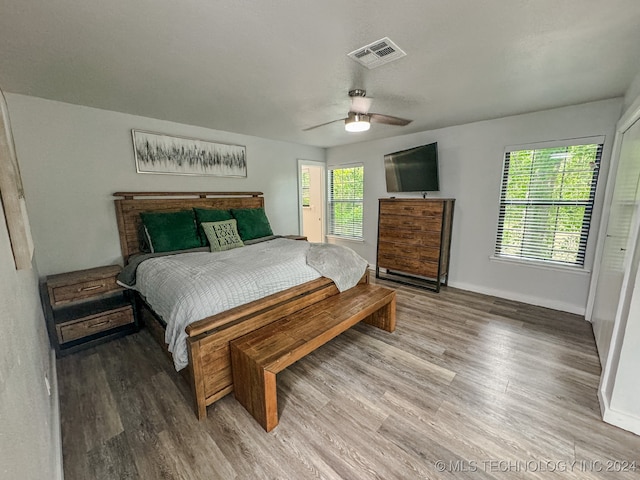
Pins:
<point x="359" y="118"/>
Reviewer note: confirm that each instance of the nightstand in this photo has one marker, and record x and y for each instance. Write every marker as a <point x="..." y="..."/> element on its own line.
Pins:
<point x="86" y="307"/>
<point x="295" y="237"/>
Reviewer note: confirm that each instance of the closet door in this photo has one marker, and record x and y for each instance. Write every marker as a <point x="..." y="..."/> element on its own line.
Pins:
<point x="618" y="246"/>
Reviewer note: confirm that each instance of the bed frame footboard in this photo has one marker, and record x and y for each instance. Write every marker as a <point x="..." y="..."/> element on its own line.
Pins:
<point x="208" y="342"/>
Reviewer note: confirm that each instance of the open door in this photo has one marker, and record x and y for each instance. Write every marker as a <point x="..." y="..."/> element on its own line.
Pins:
<point x="619" y="242"/>
<point x="311" y="199"/>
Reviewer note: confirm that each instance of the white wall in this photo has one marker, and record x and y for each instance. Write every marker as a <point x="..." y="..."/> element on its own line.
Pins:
<point x="632" y="94"/>
<point x="29" y="424"/>
<point x="74" y="158"/>
<point x="470" y="161"/>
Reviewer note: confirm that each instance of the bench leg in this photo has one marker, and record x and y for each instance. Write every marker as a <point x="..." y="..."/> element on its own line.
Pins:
<point x="385" y="317"/>
<point x="255" y="389"/>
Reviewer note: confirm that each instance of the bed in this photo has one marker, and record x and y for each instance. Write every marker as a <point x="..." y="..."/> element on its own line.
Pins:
<point x="208" y="371"/>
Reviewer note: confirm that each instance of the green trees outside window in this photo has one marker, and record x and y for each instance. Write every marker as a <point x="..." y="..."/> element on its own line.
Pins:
<point x="546" y="203"/>
<point x="346" y="198"/>
<point x="306" y="185"/>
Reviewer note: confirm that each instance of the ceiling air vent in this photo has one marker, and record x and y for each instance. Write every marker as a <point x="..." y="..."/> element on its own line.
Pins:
<point x="377" y="53"/>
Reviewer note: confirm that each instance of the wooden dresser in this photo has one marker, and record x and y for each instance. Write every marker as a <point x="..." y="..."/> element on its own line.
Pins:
<point x="414" y="238"/>
<point x="86" y="307"/>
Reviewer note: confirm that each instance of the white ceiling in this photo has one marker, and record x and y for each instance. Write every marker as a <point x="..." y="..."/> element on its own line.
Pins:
<point x="272" y="68"/>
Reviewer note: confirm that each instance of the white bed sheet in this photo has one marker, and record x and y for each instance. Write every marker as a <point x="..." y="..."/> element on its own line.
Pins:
<point x="191" y="286"/>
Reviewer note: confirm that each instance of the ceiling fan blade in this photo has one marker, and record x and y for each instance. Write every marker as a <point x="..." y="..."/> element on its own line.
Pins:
<point x="389" y="120"/>
<point x="323" y="124"/>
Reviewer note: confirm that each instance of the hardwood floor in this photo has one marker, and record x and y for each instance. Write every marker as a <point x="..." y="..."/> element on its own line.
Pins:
<point x="468" y="386"/>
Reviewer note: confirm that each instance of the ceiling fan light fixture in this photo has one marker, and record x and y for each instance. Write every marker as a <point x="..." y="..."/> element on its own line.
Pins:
<point x="357" y="122"/>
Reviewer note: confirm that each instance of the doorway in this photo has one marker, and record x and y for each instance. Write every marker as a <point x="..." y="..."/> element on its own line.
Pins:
<point x="311" y="199"/>
<point x="618" y="246"/>
<point x="615" y="290"/>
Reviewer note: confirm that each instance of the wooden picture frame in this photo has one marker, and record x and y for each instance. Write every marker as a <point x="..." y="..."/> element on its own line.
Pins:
<point x="12" y="194"/>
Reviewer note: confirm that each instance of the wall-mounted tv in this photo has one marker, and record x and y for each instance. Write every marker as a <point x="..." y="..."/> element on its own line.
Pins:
<point x="413" y="170"/>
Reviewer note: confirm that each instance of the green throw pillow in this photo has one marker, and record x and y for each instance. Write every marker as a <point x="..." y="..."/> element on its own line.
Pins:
<point x="252" y="223"/>
<point x="171" y="230"/>
<point x="222" y="235"/>
<point x="209" y="215"/>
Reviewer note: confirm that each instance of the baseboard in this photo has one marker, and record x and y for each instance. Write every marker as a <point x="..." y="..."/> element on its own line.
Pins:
<point x="604" y="402"/>
<point x="622" y="420"/>
<point x="56" y="429"/>
<point x="531" y="300"/>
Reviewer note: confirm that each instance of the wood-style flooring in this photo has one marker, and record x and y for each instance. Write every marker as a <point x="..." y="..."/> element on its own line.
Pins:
<point x="468" y="386"/>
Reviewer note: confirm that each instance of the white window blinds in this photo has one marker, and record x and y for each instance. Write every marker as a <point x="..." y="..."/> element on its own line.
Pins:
<point x="346" y="198"/>
<point x="546" y="203"/>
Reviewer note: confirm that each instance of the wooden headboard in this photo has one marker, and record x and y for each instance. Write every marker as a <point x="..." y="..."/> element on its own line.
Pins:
<point x="131" y="204"/>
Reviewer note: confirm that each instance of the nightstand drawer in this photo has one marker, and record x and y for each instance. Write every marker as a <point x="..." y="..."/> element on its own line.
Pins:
<point x="87" y="326"/>
<point x="79" y="291"/>
<point x="82" y="284"/>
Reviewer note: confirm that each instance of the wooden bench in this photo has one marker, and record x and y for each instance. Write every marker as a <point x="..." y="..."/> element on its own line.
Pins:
<point x="257" y="357"/>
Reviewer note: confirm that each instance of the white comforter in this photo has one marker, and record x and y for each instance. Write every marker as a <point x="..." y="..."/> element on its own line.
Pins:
<point x="191" y="286"/>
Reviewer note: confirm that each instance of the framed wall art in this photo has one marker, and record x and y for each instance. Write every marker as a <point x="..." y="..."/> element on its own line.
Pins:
<point x="165" y="154"/>
<point x="12" y="194"/>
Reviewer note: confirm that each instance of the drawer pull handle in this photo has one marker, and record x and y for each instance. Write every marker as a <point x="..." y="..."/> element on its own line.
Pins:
<point x="94" y="287"/>
<point x="99" y="324"/>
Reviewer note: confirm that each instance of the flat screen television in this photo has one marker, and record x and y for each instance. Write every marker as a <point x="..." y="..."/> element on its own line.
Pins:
<point x="413" y="170"/>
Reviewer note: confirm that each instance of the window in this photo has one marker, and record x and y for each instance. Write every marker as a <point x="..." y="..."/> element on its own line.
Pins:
<point x="306" y="186"/>
<point x="346" y="196"/>
<point x="546" y="202"/>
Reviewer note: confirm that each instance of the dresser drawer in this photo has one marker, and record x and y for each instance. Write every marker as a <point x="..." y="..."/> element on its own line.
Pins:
<point x="409" y="237"/>
<point x="425" y="224"/>
<point x="394" y="250"/>
<point x="412" y="208"/>
<point x="408" y="265"/>
<point x="87" y="326"/>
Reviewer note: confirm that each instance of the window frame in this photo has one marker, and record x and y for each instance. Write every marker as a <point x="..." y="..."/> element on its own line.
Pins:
<point x="587" y="222"/>
<point x="330" y="202"/>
